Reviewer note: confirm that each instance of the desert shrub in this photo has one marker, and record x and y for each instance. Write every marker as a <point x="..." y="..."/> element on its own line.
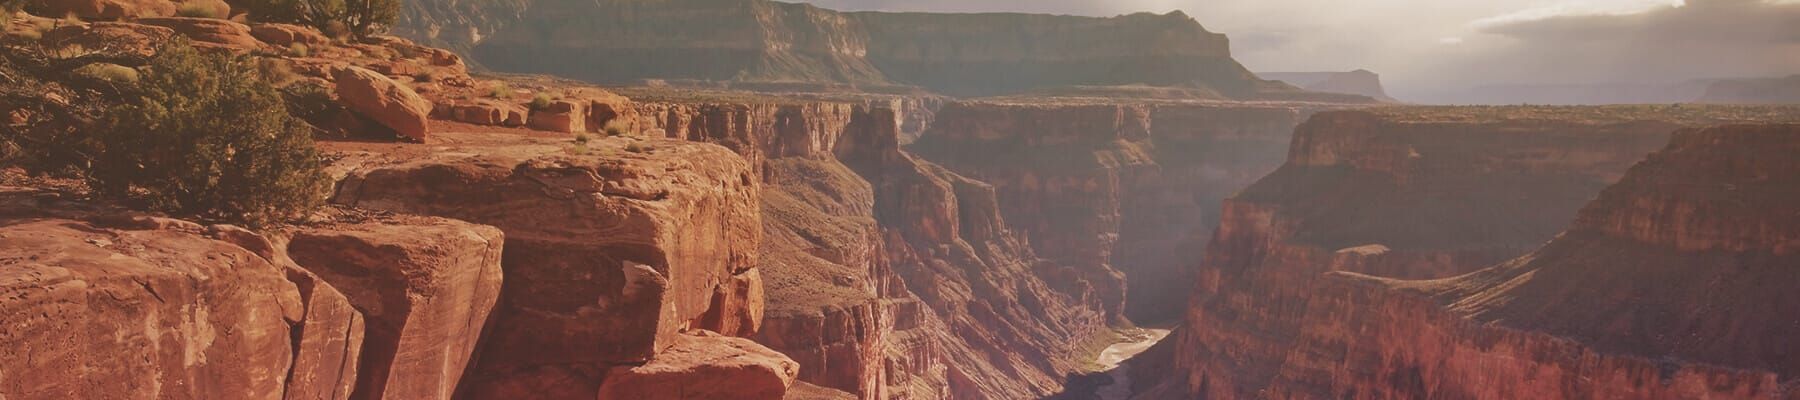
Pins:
<point x="110" y="73"/>
<point x="361" y="18"/>
<point x="582" y="138"/>
<point x="540" y="101"/>
<point x="311" y="102"/>
<point x="425" y="76"/>
<point x="298" y="50"/>
<point x="638" y="148"/>
<point x="198" y="10"/>
<point x="208" y="137"/>
<point x="500" y="91"/>
<point x="615" y="128"/>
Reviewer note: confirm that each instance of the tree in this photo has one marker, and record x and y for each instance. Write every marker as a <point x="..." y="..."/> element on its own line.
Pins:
<point x="208" y="136"/>
<point x="356" y="17"/>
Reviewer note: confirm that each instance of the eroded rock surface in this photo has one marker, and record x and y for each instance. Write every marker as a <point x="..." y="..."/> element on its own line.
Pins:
<point x="425" y="287"/>
<point x="607" y="258"/>
<point x="1420" y="193"/>
<point x="108" y="305"/>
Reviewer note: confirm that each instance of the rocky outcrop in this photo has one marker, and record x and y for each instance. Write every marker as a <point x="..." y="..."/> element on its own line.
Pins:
<point x="1359" y="82"/>
<point x="1403" y="193"/>
<point x="1117" y="191"/>
<point x="705" y="366"/>
<point x="104" y="9"/>
<point x="379" y="98"/>
<point x="208" y="31"/>
<point x="608" y="258"/>
<point x="774" y="43"/>
<point x="104" y="305"/>
<point x="285" y="35"/>
<point x="425" y="287"/>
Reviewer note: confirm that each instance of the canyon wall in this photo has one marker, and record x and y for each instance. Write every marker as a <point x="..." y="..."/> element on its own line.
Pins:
<point x="1125" y="193"/>
<point x="1287" y="301"/>
<point x="889" y="277"/>
<point x="772" y="43"/>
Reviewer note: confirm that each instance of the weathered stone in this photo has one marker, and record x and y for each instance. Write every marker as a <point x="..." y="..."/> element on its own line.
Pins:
<point x="705" y="366"/>
<point x="390" y="103"/>
<point x="567" y="116"/>
<point x="425" y="287"/>
<point x="207" y="30"/>
<point x="108" y="9"/>
<point x="285" y="35"/>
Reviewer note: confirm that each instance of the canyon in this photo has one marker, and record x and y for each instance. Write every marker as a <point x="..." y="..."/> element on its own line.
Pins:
<point x="1378" y="261"/>
<point x="763" y="200"/>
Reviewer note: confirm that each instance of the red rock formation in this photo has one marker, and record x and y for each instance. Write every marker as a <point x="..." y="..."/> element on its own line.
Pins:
<point x="705" y="366"/>
<point x="607" y="258"/>
<point x="105" y="306"/>
<point x="1117" y="190"/>
<point x="1396" y="195"/>
<point x="105" y="9"/>
<point x="376" y="96"/>
<point x="285" y="35"/>
<point x="425" y="287"/>
<point x="208" y="30"/>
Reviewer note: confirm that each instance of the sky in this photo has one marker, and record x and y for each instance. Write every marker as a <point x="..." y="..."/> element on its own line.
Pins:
<point x="1432" y="48"/>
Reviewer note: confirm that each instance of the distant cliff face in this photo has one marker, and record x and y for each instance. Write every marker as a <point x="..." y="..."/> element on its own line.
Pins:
<point x="1358" y="82"/>
<point x="1754" y="91"/>
<point x="621" y="41"/>
<point x="1300" y="294"/>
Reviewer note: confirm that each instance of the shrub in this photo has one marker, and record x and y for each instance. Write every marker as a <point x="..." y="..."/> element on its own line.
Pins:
<point x="298" y="50"/>
<point x="582" y="138"/>
<point x="361" y="18"/>
<point x="500" y="91"/>
<point x="425" y="76"/>
<point x="110" y="73"/>
<point x="540" y="101"/>
<point x="208" y="137"/>
<point x="198" y="10"/>
<point x="615" y="128"/>
<point x="638" y="148"/>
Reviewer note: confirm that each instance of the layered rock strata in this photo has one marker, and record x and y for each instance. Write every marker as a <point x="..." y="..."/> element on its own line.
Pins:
<point x="104" y="305"/>
<point x="774" y="44"/>
<point x="425" y="287"/>
<point x="608" y="258"/>
<point x="1404" y="193"/>
<point x="1126" y="193"/>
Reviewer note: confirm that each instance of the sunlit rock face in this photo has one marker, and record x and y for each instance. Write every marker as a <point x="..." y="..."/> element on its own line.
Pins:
<point x="618" y="41"/>
<point x="1303" y="290"/>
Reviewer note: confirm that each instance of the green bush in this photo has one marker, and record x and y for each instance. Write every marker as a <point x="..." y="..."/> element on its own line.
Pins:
<point x="207" y="136"/>
<point x="500" y="91"/>
<point x="198" y="10"/>
<point x="361" y="18"/>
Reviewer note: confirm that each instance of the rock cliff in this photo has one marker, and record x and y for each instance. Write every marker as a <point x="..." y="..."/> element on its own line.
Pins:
<point x="1117" y="191"/>
<point x="767" y="42"/>
<point x="1359" y="82"/>
<point x="889" y="277"/>
<point x="608" y="259"/>
<point x="1283" y="304"/>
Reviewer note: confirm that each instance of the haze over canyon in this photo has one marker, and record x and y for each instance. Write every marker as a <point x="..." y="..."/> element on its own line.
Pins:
<point x="883" y="200"/>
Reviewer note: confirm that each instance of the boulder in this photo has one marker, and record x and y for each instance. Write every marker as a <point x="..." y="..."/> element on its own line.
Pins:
<point x="287" y="34"/>
<point x="107" y="9"/>
<point x="383" y="100"/>
<point x="705" y="366"/>
<point x="425" y="287"/>
<point x="485" y="112"/>
<point x="560" y="116"/>
<point x="207" y="30"/>
<point x="737" y="306"/>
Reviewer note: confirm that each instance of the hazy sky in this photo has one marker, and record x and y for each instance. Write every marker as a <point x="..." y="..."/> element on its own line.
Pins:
<point x="1427" y="47"/>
